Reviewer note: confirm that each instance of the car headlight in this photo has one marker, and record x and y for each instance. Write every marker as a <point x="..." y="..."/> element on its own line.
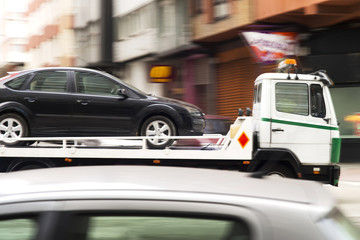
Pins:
<point x="193" y="111"/>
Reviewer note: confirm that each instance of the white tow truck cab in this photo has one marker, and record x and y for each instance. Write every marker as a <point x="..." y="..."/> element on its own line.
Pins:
<point x="295" y="123"/>
<point x="293" y="133"/>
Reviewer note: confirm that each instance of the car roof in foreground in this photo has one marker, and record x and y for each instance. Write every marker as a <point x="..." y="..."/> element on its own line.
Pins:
<point x="157" y="178"/>
<point x="59" y="68"/>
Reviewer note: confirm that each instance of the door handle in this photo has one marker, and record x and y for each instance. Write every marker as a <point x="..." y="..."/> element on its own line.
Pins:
<point x="30" y="99"/>
<point x="83" y="101"/>
<point x="277" y="130"/>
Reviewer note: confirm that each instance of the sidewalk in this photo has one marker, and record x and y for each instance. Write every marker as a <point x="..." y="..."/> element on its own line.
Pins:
<point x="350" y="172"/>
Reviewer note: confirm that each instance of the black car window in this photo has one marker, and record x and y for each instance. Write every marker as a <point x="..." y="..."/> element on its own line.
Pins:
<point x="95" y="84"/>
<point x="49" y="81"/>
<point x="157" y="228"/>
<point x="17" y="83"/>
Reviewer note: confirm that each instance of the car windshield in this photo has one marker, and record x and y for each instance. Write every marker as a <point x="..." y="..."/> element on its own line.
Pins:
<point x="125" y="83"/>
<point x="336" y="226"/>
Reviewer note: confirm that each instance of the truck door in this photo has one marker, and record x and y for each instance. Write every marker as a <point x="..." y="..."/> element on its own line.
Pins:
<point x="299" y="120"/>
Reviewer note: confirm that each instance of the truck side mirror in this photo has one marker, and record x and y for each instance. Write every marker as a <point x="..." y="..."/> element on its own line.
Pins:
<point x="248" y="111"/>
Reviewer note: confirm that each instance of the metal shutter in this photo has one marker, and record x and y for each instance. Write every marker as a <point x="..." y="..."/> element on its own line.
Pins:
<point x="235" y="83"/>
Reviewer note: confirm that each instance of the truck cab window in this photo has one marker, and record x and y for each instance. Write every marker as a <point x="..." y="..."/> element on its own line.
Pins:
<point x="255" y="93"/>
<point x="317" y="101"/>
<point x="292" y="98"/>
<point x="259" y="93"/>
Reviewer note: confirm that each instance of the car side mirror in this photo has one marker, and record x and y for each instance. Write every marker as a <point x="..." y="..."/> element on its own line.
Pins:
<point x="122" y="92"/>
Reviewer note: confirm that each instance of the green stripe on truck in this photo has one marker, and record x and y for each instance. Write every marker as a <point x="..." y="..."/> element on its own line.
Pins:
<point x="299" y="124"/>
<point x="335" y="150"/>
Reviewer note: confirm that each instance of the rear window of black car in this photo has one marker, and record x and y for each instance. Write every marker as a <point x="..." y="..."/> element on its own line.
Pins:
<point x="17" y="83"/>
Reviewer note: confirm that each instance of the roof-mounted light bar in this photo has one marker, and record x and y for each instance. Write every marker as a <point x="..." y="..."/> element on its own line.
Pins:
<point x="287" y="64"/>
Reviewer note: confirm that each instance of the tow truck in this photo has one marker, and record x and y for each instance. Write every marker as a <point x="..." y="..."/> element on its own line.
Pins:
<point x="293" y="132"/>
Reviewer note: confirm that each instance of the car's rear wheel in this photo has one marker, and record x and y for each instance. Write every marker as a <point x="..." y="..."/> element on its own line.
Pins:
<point x="12" y="126"/>
<point x="158" y="126"/>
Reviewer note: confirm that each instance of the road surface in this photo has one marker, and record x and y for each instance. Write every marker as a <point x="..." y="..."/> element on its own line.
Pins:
<point x="348" y="192"/>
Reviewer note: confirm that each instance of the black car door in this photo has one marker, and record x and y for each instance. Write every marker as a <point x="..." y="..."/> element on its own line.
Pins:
<point x="98" y="108"/>
<point x="48" y="98"/>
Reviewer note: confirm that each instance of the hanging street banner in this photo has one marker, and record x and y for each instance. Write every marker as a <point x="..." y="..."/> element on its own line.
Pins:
<point x="269" y="47"/>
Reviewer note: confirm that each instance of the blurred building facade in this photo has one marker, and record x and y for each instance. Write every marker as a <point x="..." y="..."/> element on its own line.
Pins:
<point x="151" y="34"/>
<point x="13" y="35"/>
<point x="216" y="27"/>
<point x="136" y="42"/>
<point x="51" y="39"/>
<point x="93" y="27"/>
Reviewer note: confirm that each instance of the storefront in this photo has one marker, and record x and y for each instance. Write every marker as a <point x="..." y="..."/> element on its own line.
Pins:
<point x="337" y="51"/>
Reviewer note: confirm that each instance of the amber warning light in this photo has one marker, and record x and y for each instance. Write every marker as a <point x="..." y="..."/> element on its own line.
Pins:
<point x="286" y="64"/>
<point x="161" y="73"/>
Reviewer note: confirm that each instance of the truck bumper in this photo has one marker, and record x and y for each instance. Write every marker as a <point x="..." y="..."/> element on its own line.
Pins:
<point x="328" y="174"/>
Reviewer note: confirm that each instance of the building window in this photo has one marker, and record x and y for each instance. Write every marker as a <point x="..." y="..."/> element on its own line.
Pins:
<point x="197" y="7"/>
<point x="167" y="17"/>
<point x="221" y="9"/>
<point x="134" y="23"/>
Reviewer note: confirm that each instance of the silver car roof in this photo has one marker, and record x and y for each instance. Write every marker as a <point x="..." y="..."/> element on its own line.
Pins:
<point x="157" y="178"/>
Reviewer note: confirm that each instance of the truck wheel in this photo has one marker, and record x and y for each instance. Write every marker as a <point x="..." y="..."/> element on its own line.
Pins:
<point x="12" y="126"/>
<point x="28" y="166"/>
<point x="158" y="126"/>
<point x="282" y="171"/>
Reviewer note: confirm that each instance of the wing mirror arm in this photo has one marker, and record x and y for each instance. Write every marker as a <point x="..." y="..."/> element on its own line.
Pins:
<point x="122" y="92"/>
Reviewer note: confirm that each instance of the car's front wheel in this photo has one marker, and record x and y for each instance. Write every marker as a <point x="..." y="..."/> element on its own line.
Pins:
<point x="158" y="126"/>
<point x="12" y="126"/>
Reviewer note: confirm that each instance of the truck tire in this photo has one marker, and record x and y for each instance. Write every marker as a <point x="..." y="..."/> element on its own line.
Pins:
<point x="158" y="126"/>
<point x="28" y="166"/>
<point x="281" y="171"/>
<point x="12" y="126"/>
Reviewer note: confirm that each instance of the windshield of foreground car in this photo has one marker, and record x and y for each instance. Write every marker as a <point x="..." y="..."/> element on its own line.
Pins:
<point x="336" y="226"/>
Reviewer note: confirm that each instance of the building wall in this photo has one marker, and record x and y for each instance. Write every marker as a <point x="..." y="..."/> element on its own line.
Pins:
<point x="135" y="30"/>
<point x="87" y="32"/>
<point x="205" y="25"/>
<point x="174" y="28"/>
<point x="135" y="42"/>
<point x="269" y="8"/>
<point x="13" y="32"/>
<point x="137" y="72"/>
<point x="51" y="33"/>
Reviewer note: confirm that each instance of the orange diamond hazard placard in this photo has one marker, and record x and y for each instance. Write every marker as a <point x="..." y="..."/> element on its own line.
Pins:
<point x="243" y="139"/>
